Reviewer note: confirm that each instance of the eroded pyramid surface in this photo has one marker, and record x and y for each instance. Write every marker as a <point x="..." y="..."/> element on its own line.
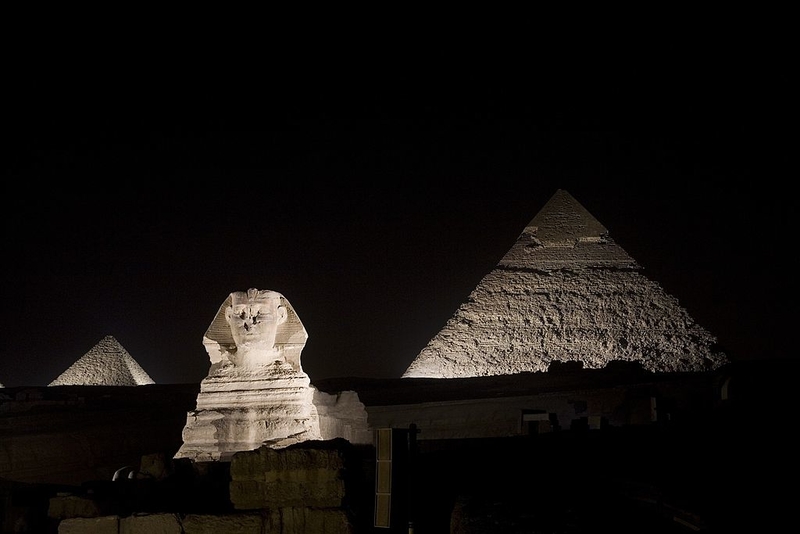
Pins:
<point x="106" y="364"/>
<point x="565" y="291"/>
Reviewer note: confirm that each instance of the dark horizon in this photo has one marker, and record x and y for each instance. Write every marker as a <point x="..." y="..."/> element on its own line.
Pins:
<point x="376" y="229"/>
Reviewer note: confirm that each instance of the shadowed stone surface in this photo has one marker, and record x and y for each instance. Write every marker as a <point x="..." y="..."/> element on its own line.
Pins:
<point x="106" y="364"/>
<point x="69" y="434"/>
<point x="223" y="524"/>
<point x="304" y="488"/>
<point x="566" y="292"/>
<point x="150" y="524"/>
<point x="566" y="489"/>
<point x="94" y="525"/>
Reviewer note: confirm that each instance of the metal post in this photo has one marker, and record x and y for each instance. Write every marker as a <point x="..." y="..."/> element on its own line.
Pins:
<point x="412" y="467"/>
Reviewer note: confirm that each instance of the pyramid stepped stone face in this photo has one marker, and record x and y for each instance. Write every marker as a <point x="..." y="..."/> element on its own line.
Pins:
<point x="106" y="364"/>
<point x="566" y="292"/>
<point x="256" y="392"/>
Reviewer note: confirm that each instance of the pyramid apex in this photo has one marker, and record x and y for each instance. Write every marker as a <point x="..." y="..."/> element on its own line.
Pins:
<point x="563" y="221"/>
<point x="564" y="234"/>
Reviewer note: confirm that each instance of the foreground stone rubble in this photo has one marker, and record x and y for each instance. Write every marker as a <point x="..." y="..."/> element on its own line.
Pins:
<point x="294" y="490"/>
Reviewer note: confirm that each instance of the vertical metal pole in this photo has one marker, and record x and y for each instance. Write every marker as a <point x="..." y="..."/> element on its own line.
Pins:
<point x="412" y="468"/>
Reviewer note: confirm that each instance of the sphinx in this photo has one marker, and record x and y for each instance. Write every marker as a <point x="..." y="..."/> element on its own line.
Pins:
<point x="256" y="392"/>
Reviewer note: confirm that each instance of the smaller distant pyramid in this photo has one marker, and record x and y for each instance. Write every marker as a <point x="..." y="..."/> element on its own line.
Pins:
<point x="106" y="364"/>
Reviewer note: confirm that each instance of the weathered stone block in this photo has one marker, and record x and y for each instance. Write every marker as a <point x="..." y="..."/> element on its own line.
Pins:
<point x="319" y="521"/>
<point x="90" y="525"/>
<point x="72" y="506"/>
<point x="155" y="466"/>
<point x="150" y="524"/>
<point x="223" y="524"/>
<point x="307" y="476"/>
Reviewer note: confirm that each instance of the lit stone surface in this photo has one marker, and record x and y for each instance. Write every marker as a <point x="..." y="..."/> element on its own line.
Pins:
<point x="224" y="524"/>
<point x="566" y="292"/>
<point x="106" y="364"/>
<point x="150" y="524"/>
<point x="342" y="415"/>
<point x="93" y="525"/>
<point x="290" y="477"/>
<point x="256" y="392"/>
<point x="298" y="489"/>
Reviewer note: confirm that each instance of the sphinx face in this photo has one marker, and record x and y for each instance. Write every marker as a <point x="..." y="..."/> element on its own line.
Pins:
<point x="254" y="325"/>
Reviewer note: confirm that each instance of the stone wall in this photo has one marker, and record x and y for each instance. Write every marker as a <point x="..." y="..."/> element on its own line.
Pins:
<point x="315" y="486"/>
<point x="72" y="434"/>
<point x="312" y="487"/>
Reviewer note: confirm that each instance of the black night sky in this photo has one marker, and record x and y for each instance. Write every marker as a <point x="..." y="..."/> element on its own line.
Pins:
<point x="374" y="209"/>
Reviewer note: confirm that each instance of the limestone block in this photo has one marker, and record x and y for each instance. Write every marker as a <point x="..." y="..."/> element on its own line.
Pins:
<point x="342" y="415"/>
<point x="319" y="521"/>
<point x="223" y="524"/>
<point x="150" y="524"/>
<point x="309" y="475"/>
<point x="95" y="525"/>
<point x="154" y="466"/>
<point x="294" y="489"/>
<point x="72" y="506"/>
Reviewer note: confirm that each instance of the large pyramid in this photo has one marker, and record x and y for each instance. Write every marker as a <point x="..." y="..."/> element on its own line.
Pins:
<point x="106" y="364"/>
<point x="566" y="292"/>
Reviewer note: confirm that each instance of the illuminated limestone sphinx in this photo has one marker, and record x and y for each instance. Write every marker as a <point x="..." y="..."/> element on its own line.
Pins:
<point x="256" y="392"/>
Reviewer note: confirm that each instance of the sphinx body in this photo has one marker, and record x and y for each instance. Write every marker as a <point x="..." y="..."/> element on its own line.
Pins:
<point x="256" y="392"/>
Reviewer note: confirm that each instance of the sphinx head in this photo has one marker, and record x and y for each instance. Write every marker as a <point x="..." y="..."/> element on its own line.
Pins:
<point x="253" y="328"/>
<point x="254" y="317"/>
